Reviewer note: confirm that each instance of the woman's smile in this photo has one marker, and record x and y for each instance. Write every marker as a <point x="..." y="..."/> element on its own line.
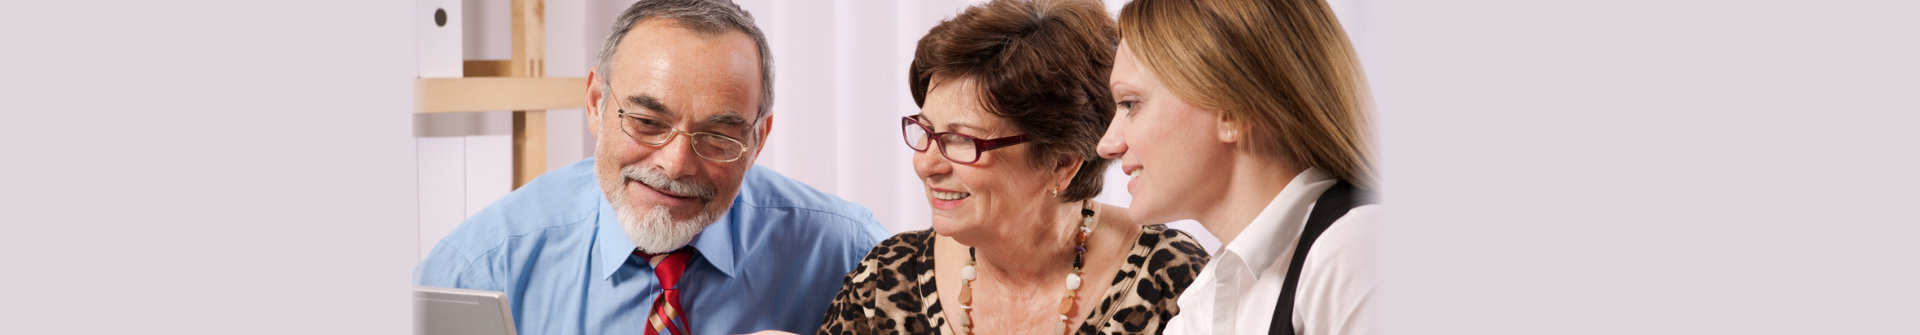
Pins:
<point x="946" y="199"/>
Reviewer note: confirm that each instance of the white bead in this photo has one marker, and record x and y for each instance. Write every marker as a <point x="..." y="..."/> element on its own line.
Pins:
<point x="965" y="321"/>
<point x="1060" y="328"/>
<point x="1073" y="281"/>
<point x="966" y="273"/>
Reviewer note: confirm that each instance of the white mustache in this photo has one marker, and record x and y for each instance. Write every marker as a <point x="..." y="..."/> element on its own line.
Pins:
<point x="652" y="177"/>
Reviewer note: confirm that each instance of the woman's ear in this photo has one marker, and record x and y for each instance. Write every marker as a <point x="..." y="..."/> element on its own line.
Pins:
<point x="1230" y="132"/>
<point x="1067" y="168"/>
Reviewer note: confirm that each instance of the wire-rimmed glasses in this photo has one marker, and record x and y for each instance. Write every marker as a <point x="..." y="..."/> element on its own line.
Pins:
<point x="656" y="132"/>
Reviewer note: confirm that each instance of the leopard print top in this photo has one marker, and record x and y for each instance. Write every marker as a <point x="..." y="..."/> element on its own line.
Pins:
<point x="893" y="290"/>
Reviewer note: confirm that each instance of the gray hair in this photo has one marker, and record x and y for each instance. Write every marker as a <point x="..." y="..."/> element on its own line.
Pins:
<point x="703" y="16"/>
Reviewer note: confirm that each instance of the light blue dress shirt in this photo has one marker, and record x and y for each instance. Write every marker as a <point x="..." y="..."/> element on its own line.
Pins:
<point x="774" y="261"/>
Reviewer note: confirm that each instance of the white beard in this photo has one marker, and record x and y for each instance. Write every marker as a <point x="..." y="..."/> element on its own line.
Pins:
<point x="656" y="232"/>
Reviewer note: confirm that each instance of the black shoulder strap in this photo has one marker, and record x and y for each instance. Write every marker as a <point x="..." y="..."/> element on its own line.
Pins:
<point x="1332" y="205"/>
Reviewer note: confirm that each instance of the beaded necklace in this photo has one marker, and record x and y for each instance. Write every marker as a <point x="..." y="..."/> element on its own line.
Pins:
<point x="1067" y="303"/>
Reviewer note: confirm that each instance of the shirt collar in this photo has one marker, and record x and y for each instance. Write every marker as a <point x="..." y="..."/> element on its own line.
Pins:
<point x="610" y="240"/>
<point x="715" y="243"/>
<point x="1275" y="230"/>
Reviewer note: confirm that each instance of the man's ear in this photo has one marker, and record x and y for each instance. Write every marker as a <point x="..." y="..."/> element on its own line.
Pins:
<point x="594" y="99"/>
<point x="766" y="127"/>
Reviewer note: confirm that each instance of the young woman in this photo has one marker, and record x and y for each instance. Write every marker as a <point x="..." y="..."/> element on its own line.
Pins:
<point x="1246" y="116"/>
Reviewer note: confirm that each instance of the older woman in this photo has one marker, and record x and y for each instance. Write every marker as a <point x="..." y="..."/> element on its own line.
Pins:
<point x="1013" y="100"/>
<point x="1248" y="116"/>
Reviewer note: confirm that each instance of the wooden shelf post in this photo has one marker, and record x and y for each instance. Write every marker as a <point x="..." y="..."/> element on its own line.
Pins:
<point x="529" y="60"/>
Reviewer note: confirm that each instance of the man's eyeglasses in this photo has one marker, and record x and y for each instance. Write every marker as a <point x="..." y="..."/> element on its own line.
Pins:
<point x="958" y="148"/>
<point x="654" y="131"/>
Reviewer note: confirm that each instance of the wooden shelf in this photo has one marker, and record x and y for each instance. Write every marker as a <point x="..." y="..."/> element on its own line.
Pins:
<point x="519" y="84"/>
<point x="480" y="94"/>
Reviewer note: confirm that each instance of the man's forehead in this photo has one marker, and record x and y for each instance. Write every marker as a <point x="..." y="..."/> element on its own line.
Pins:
<point x="671" y="70"/>
<point x="719" y="111"/>
<point x="664" y="35"/>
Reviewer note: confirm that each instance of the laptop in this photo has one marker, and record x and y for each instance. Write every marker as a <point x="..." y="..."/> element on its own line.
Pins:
<point x="452" y="311"/>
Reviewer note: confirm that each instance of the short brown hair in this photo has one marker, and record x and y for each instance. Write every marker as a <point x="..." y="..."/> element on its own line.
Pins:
<point x="1041" y="64"/>
<point x="1284" y="69"/>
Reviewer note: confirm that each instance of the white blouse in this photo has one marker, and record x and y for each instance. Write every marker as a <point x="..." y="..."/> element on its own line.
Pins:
<point x="1339" y="285"/>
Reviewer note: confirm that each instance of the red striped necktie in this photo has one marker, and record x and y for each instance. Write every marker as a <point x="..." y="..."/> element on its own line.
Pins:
<point x="667" y="316"/>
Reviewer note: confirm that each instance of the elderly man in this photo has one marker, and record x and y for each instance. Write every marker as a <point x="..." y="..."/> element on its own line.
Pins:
<point x="669" y="228"/>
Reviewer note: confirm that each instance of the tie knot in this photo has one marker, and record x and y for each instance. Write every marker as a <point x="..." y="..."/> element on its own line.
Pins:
<point x="668" y="266"/>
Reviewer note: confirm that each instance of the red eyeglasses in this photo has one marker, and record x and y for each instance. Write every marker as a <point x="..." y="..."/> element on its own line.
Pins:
<point x="955" y="147"/>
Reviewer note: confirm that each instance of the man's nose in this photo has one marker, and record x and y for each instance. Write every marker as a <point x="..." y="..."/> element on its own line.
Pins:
<point x="676" y="157"/>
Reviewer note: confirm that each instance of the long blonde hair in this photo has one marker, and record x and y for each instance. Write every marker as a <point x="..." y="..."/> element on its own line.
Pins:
<point x="1282" y="69"/>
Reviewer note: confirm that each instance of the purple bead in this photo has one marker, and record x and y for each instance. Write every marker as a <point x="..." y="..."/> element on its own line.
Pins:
<point x="1080" y="249"/>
